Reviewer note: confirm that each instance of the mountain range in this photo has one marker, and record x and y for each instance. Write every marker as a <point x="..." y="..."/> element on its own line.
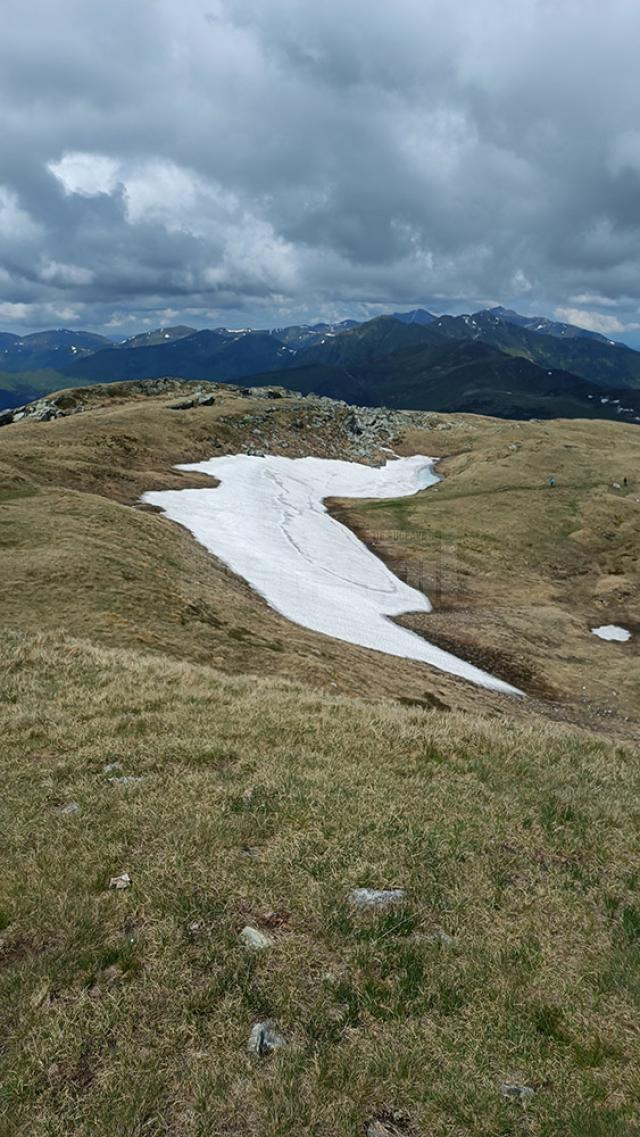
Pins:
<point x="495" y="361"/>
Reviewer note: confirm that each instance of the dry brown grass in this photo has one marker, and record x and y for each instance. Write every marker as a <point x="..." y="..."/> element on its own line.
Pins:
<point x="76" y="553"/>
<point x="120" y="1022"/>
<point x="265" y="802"/>
<point x="519" y="571"/>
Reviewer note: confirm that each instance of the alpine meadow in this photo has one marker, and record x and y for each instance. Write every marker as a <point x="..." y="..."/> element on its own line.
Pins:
<point x="320" y="569"/>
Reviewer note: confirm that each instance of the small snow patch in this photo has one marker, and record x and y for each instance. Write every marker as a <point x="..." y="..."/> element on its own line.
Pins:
<point x="612" y="632"/>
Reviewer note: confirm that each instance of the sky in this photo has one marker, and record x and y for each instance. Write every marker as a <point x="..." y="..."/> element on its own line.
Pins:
<point x="269" y="162"/>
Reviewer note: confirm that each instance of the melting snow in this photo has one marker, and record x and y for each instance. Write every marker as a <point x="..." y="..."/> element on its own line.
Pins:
<point x="267" y="522"/>
<point x="612" y="632"/>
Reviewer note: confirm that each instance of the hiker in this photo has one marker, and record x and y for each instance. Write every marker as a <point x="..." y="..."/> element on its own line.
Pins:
<point x="552" y="481"/>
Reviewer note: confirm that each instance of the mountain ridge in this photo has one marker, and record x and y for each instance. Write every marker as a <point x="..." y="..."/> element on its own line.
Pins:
<point x="411" y="358"/>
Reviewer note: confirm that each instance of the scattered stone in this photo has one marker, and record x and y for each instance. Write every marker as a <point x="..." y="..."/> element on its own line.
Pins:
<point x="200" y="400"/>
<point x="41" y="996"/>
<point x="110" y="767"/>
<point x="443" y="938"/>
<point x="265" y="1038"/>
<point x="389" y="1123"/>
<point x="255" y="939"/>
<point x="515" y="1092"/>
<point x="126" y="780"/>
<point x="113" y="974"/>
<point x="68" y="808"/>
<point x="248" y="796"/>
<point x="195" y="928"/>
<point x="376" y="897"/>
<point x="54" y="1072"/>
<point x="120" y="882"/>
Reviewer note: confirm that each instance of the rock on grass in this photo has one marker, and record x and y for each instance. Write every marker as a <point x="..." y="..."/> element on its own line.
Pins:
<point x="376" y="897"/>
<point x="255" y="939"/>
<point x="265" y="1038"/>
<point x="120" y="882"/>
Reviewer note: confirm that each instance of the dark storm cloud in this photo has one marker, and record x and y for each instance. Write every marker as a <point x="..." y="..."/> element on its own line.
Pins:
<point x="274" y="160"/>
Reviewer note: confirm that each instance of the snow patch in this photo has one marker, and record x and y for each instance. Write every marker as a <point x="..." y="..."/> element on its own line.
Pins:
<point x="612" y="632"/>
<point x="268" y="523"/>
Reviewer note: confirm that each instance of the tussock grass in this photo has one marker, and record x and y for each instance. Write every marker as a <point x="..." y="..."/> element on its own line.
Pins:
<point x="520" y="572"/>
<point x="127" y="1013"/>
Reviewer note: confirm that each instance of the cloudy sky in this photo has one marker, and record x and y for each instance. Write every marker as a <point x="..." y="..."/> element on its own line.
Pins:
<point x="261" y="162"/>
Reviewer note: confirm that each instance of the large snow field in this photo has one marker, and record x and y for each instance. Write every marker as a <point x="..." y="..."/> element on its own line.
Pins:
<point x="267" y="522"/>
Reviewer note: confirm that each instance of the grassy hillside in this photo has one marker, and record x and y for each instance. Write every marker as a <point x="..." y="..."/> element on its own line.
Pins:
<point x="463" y="376"/>
<point x="21" y="387"/>
<point x="77" y="555"/>
<point x="607" y="363"/>
<point x="510" y="560"/>
<point x="281" y="769"/>
<point x="127" y="1013"/>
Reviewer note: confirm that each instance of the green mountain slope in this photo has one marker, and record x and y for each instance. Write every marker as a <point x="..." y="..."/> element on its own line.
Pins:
<point x="608" y="364"/>
<point x="460" y="376"/>
<point x="203" y="355"/>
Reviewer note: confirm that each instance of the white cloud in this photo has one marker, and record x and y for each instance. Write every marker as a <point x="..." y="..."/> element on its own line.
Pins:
<point x="85" y="173"/>
<point x="269" y="155"/>
<point x="10" y="312"/>
<point x="65" y="275"/>
<point x="15" y="223"/>
<point x="594" y="321"/>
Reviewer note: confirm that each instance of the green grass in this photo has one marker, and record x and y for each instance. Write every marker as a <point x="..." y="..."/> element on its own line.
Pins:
<point x="120" y="1018"/>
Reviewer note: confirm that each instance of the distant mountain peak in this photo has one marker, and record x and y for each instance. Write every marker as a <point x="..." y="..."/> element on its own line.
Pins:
<point x="415" y="316"/>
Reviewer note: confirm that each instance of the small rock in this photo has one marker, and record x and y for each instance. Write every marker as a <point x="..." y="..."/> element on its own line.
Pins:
<point x="247" y="796"/>
<point x="126" y="780"/>
<point x="389" y="1123"/>
<point x="110" y="767"/>
<point x="517" y="1093"/>
<point x="54" y="1072"/>
<point x="255" y="939"/>
<point x="113" y="974"/>
<point x="443" y="938"/>
<point x="120" y="882"/>
<point x="265" y="1038"/>
<point x="68" y="807"/>
<point x="41" y="997"/>
<point x="195" y="928"/>
<point x="376" y="897"/>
